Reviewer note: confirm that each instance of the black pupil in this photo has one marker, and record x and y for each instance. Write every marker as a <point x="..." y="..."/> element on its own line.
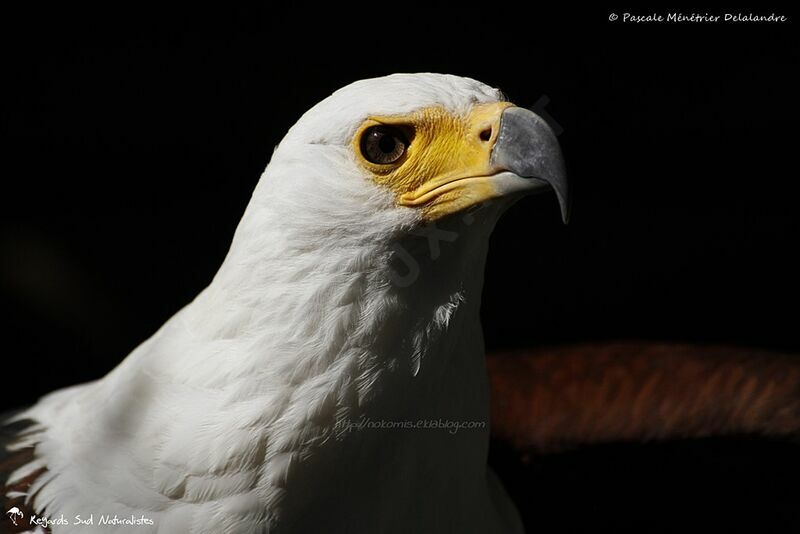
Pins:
<point x="387" y="143"/>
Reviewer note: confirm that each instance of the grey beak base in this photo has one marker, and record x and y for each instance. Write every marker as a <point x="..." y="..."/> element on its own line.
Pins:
<point x="527" y="147"/>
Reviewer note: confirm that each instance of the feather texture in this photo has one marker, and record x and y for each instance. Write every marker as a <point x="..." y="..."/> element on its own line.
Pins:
<point x="233" y="416"/>
<point x="548" y="400"/>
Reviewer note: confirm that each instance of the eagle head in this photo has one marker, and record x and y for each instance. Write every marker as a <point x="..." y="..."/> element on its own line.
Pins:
<point x="407" y="149"/>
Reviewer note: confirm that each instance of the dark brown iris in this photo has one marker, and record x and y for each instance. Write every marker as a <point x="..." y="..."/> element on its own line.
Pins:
<point x="383" y="144"/>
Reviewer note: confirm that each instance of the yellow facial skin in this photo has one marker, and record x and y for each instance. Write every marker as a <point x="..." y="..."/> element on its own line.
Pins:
<point x="446" y="167"/>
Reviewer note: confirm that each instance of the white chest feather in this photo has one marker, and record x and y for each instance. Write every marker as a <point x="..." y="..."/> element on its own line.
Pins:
<point x="361" y="400"/>
<point x="330" y="378"/>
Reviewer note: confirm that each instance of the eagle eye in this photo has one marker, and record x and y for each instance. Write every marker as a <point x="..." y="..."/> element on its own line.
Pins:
<point x="383" y="144"/>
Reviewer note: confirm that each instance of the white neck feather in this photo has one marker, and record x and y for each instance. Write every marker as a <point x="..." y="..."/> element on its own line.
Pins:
<point x="253" y="384"/>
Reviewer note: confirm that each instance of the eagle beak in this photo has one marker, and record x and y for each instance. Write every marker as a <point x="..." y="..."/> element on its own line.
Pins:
<point x="528" y="150"/>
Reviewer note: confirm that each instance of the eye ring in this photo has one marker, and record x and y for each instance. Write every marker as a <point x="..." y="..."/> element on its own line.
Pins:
<point x="383" y="145"/>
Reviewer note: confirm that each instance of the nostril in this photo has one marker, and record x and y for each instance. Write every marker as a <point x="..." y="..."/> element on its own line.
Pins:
<point x="486" y="134"/>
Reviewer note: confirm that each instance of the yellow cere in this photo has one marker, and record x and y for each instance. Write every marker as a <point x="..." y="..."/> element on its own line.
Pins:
<point x="446" y="167"/>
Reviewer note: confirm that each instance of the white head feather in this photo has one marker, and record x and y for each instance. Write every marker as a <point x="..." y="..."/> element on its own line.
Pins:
<point x="230" y="417"/>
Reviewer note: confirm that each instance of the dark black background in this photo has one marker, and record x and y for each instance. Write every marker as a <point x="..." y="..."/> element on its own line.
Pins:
<point x="133" y="139"/>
